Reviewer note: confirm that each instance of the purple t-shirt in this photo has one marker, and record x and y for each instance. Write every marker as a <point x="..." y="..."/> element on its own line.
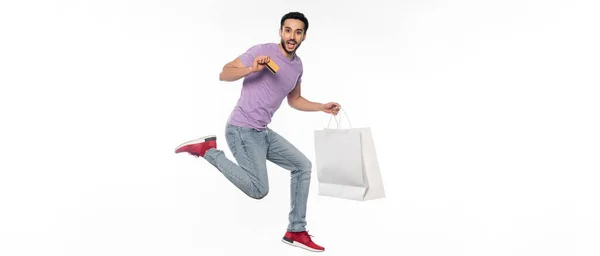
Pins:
<point x="263" y="92"/>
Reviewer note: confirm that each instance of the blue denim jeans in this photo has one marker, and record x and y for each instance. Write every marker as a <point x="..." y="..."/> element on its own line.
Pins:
<point x="251" y="149"/>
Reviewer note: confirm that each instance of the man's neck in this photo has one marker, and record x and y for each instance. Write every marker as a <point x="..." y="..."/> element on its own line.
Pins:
<point x="286" y="54"/>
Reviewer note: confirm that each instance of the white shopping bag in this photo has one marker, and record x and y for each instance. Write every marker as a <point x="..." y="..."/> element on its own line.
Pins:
<point x="347" y="165"/>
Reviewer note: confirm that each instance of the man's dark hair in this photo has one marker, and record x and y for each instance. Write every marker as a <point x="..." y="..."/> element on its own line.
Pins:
<point x="296" y="16"/>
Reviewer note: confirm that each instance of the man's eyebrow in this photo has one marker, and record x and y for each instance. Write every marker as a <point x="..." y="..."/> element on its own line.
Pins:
<point x="296" y="29"/>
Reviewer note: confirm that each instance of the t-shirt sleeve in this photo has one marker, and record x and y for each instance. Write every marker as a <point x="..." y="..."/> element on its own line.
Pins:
<point x="248" y="57"/>
<point x="300" y="77"/>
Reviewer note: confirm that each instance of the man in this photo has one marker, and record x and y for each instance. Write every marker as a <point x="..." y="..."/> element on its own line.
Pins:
<point x="248" y="136"/>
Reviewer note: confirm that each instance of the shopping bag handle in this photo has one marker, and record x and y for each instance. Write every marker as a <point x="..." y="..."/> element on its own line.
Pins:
<point x="340" y="122"/>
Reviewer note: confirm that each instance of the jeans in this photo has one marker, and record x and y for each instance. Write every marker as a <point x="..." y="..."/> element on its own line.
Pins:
<point x="251" y="148"/>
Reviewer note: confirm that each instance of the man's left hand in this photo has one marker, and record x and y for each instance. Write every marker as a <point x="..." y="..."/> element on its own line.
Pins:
<point x="331" y="108"/>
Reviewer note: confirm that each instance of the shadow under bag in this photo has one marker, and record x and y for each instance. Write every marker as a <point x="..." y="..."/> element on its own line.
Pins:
<point x="346" y="162"/>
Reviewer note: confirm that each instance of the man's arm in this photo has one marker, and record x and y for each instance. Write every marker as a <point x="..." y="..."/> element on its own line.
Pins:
<point x="296" y="101"/>
<point x="234" y="70"/>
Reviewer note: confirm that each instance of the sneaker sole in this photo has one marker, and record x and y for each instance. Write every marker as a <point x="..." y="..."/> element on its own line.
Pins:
<point x="199" y="140"/>
<point x="299" y="245"/>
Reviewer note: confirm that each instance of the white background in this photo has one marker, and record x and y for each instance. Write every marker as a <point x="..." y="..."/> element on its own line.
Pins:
<point x="484" y="114"/>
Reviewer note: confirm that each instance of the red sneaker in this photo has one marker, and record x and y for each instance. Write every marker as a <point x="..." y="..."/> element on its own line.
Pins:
<point x="302" y="240"/>
<point x="198" y="147"/>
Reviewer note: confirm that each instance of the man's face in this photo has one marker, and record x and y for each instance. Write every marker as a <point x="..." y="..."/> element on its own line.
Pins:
<point x="292" y="35"/>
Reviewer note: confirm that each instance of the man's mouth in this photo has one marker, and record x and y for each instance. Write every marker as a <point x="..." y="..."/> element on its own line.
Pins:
<point x="291" y="44"/>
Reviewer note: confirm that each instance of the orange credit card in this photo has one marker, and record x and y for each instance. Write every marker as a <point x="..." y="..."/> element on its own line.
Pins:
<point x="272" y="66"/>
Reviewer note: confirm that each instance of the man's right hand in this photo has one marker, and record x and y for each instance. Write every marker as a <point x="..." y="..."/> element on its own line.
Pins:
<point x="260" y="62"/>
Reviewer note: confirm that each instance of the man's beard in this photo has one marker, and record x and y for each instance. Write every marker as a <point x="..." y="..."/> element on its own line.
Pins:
<point x="286" y="50"/>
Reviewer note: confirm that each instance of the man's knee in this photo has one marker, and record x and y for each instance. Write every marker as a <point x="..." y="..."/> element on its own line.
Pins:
<point x="259" y="192"/>
<point x="260" y="195"/>
<point x="307" y="166"/>
<point x="304" y="168"/>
